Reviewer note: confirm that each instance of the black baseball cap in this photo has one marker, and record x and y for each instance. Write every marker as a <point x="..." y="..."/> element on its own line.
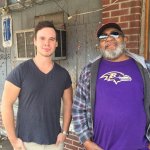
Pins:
<point x="108" y="25"/>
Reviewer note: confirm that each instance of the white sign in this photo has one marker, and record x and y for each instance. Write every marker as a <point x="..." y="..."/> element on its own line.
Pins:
<point x="7" y="30"/>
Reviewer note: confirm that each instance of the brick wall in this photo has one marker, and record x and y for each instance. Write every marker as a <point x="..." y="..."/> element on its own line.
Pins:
<point x="72" y="142"/>
<point x="128" y="15"/>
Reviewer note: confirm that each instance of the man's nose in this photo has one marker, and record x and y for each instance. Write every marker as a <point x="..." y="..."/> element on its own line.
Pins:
<point x="47" y="42"/>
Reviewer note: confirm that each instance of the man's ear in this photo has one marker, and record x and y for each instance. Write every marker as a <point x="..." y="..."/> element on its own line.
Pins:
<point x="34" y="41"/>
<point x="57" y="44"/>
<point x="125" y="39"/>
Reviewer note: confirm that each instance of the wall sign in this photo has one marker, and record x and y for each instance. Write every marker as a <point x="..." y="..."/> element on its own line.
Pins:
<point x="2" y="3"/>
<point x="7" y="30"/>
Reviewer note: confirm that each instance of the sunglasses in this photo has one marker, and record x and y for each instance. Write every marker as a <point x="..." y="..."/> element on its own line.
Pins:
<point x="113" y="34"/>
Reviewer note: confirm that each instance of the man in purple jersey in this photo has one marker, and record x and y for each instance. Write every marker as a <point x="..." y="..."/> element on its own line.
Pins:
<point x="112" y="99"/>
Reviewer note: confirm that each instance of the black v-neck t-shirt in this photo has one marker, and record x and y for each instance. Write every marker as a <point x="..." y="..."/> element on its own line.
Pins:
<point x="39" y="101"/>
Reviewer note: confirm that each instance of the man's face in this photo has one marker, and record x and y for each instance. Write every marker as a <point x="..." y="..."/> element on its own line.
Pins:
<point x="113" y="46"/>
<point x="45" y="42"/>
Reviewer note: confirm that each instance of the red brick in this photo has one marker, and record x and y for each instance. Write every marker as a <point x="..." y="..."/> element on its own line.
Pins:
<point x="120" y="12"/>
<point x="73" y="137"/>
<point x="72" y="133"/>
<point x="130" y="17"/>
<point x="132" y="44"/>
<point x="112" y="1"/>
<point x="105" y="2"/>
<point x="134" y="50"/>
<point x="65" y="148"/>
<point x="124" y="25"/>
<point x="112" y="19"/>
<point x="71" y="147"/>
<point x="136" y="10"/>
<point x="111" y="7"/>
<point x="135" y="24"/>
<point x="106" y="14"/>
<point x="81" y="149"/>
<point x="77" y="144"/>
<point x="132" y="31"/>
<point x="130" y="4"/>
<point x="68" y="141"/>
<point x="133" y="38"/>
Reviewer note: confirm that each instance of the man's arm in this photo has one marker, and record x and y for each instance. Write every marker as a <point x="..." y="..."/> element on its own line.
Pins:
<point x="9" y="96"/>
<point x="89" y="145"/>
<point x="81" y="111"/>
<point x="67" y="109"/>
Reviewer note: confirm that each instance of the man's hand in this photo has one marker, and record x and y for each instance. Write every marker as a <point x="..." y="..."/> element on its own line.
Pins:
<point x="149" y="146"/>
<point x="18" y="145"/>
<point x="89" y="145"/>
<point x="60" y="138"/>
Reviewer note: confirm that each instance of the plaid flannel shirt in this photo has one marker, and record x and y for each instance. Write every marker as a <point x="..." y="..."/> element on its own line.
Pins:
<point x="82" y="107"/>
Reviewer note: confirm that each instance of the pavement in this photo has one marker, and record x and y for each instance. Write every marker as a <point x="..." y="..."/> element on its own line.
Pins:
<point x="5" y="145"/>
<point x="4" y="142"/>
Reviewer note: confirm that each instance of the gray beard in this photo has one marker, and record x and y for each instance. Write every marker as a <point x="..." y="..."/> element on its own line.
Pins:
<point x="113" y="54"/>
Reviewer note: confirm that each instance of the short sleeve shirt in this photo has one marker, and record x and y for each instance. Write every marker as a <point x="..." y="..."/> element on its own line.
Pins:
<point x="39" y="101"/>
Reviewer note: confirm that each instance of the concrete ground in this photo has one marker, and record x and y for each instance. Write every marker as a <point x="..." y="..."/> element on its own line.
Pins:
<point x="5" y="145"/>
<point x="4" y="142"/>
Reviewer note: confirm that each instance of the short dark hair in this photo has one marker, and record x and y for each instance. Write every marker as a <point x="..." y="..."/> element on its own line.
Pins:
<point x="44" y="24"/>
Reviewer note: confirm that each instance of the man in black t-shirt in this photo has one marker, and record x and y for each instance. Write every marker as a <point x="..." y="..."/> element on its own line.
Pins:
<point x="39" y="84"/>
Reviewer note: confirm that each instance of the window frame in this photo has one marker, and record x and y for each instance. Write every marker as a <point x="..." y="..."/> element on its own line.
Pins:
<point x="24" y="32"/>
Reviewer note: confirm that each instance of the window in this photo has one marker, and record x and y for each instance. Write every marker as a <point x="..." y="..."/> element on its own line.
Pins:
<point x="12" y="2"/>
<point x="60" y="52"/>
<point x="25" y="45"/>
<point x="2" y="3"/>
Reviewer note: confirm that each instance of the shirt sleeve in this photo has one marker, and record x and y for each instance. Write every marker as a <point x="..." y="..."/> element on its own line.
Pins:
<point x="15" y="76"/>
<point x="81" y="112"/>
<point x="68" y="80"/>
